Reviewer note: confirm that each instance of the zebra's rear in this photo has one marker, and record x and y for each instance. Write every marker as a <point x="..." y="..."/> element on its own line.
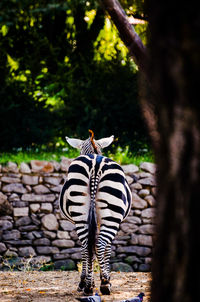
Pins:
<point x="94" y="180"/>
<point x="96" y="197"/>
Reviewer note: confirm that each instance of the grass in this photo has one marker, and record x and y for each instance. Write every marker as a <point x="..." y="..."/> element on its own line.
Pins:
<point x="122" y="156"/>
<point x="125" y="156"/>
<point x="28" y="155"/>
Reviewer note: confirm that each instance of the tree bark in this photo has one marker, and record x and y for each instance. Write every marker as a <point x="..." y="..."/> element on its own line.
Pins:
<point x="127" y="33"/>
<point x="174" y="64"/>
<point x="173" y="71"/>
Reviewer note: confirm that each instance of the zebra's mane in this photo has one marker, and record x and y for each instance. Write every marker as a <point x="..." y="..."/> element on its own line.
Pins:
<point x="90" y="146"/>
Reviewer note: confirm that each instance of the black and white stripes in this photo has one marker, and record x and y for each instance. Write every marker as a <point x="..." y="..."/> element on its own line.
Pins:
<point x="96" y="197"/>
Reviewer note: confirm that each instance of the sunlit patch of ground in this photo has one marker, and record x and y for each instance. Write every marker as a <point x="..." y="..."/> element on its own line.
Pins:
<point x="61" y="286"/>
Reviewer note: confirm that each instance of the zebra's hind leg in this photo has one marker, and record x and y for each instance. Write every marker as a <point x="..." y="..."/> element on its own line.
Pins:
<point x="107" y="259"/>
<point x="82" y="282"/>
<point x="103" y="255"/>
<point x="88" y="290"/>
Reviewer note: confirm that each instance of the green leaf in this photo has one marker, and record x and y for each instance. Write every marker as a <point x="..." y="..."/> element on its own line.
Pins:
<point x="4" y="30"/>
<point x="14" y="65"/>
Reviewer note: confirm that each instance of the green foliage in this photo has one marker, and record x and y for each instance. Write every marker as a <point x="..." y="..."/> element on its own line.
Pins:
<point x="22" y="122"/>
<point x="64" y="70"/>
<point x="122" y="156"/>
<point x="9" y="263"/>
<point x="63" y="268"/>
<point x="25" y="264"/>
<point x="19" y="155"/>
<point x="47" y="267"/>
<point x="103" y="101"/>
<point x="126" y="157"/>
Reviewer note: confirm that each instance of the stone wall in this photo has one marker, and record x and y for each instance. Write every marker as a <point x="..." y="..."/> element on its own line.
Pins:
<point x="31" y="223"/>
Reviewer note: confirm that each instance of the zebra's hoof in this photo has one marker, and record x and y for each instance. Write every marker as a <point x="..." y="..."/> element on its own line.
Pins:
<point x="81" y="286"/>
<point x="105" y="289"/>
<point x="79" y="289"/>
<point x="88" y="291"/>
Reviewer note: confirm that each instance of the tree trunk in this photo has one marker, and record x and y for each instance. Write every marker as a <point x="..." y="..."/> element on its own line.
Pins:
<point x="174" y="65"/>
<point x="127" y="33"/>
<point x="173" y="72"/>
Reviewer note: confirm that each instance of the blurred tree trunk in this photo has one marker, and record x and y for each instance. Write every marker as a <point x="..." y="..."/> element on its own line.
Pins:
<point x="174" y="65"/>
<point x="173" y="73"/>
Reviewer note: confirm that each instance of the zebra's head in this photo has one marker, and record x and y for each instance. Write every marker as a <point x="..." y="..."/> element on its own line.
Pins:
<point x="90" y="145"/>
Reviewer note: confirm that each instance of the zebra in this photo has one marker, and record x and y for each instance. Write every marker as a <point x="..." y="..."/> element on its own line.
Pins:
<point x="96" y="198"/>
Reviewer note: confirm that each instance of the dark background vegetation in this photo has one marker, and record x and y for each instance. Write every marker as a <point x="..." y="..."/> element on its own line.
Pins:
<point x="64" y="70"/>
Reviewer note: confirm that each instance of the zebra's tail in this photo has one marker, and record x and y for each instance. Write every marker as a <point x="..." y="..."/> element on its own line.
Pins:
<point x="92" y="228"/>
<point x="92" y="221"/>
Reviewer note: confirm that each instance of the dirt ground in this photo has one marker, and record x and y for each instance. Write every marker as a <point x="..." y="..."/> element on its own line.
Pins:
<point x="61" y="286"/>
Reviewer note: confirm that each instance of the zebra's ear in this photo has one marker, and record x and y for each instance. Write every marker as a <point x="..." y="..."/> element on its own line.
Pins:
<point x="105" y="142"/>
<point x="74" y="142"/>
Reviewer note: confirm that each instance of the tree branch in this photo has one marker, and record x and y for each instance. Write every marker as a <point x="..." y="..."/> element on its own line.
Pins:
<point x="127" y="33"/>
<point x="139" y="53"/>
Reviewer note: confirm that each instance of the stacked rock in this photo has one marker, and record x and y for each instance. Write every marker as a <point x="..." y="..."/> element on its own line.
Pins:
<point x="31" y="224"/>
